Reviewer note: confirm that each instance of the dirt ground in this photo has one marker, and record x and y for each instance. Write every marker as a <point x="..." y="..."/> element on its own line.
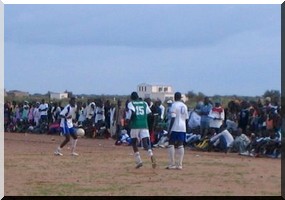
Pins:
<point x="31" y="169"/>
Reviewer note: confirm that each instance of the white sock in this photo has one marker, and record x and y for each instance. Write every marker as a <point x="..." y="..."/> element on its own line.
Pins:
<point x="74" y="142"/>
<point x="150" y="153"/>
<point x="180" y="155"/>
<point x="138" y="158"/>
<point x="171" y="153"/>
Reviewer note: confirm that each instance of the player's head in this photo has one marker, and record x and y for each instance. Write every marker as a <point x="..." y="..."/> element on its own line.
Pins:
<point x="134" y="96"/>
<point x="177" y="96"/>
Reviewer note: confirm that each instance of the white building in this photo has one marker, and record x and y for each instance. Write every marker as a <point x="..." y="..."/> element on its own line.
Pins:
<point x="162" y="92"/>
<point x="56" y="95"/>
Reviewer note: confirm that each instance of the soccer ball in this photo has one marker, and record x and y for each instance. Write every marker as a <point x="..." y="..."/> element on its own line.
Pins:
<point x="80" y="132"/>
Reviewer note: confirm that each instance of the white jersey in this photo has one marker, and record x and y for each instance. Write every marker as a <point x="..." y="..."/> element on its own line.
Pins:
<point x="179" y="111"/>
<point x="67" y="112"/>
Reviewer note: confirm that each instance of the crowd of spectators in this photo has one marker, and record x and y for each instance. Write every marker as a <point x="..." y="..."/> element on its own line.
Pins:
<point x="248" y="128"/>
<point x="251" y="128"/>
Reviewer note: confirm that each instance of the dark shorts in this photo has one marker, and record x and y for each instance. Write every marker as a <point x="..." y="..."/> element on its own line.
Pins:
<point x="177" y="137"/>
<point x="68" y="131"/>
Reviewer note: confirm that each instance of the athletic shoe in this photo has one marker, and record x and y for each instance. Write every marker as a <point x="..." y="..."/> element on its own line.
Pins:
<point x="74" y="154"/>
<point x="57" y="153"/>
<point x="246" y="153"/>
<point x="179" y="167"/>
<point x="171" y="167"/>
<point x="153" y="161"/>
<point x="139" y="165"/>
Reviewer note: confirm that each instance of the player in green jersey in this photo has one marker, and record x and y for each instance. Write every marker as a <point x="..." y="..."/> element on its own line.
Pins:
<point x="137" y="120"/>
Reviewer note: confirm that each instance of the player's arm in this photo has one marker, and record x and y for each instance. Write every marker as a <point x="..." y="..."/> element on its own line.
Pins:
<point x="131" y="113"/>
<point x="187" y="126"/>
<point x="170" y="126"/>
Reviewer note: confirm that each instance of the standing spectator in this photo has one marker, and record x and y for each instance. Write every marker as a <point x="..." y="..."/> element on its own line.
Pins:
<point x="119" y="118"/>
<point x="194" y="119"/>
<point x="205" y="119"/>
<point x="168" y="113"/>
<point x="127" y="115"/>
<point x="55" y="111"/>
<point x="31" y="114"/>
<point x="25" y="112"/>
<point x="267" y="104"/>
<point x="177" y="132"/>
<point x="232" y="116"/>
<point x="7" y="115"/>
<point x="37" y="115"/>
<point x="43" y="108"/>
<point x="107" y="112"/>
<point x="153" y="118"/>
<point x="67" y="128"/>
<point x="82" y="114"/>
<point x="243" y="116"/>
<point x="217" y="115"/>
<point x="138" y="111"/>
<point x="162" y="110"/>
<point x="90" y="113"/>
<point x="274" y="120"/>
<point x="112" y="120"/>
<point x="99" y="115"/>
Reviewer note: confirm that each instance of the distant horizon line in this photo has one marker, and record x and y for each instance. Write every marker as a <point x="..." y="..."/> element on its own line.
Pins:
<point x="102" y="94"/>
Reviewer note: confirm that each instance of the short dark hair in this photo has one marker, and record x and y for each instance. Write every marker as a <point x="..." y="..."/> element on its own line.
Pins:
<point x="177" y="96"/>
<point x="134" y="96"/>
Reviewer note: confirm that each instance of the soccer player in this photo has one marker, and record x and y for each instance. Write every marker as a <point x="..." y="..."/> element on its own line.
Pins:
<point x="67" y="129"/>
<point x="177" y="132"/>
<point x="137" y="120"/>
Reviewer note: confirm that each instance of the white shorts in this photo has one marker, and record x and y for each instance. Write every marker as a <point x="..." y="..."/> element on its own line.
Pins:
<point x="139" y="133"/>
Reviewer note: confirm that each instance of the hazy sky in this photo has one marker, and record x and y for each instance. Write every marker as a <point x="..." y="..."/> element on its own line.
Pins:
<point x="110" y="49"/>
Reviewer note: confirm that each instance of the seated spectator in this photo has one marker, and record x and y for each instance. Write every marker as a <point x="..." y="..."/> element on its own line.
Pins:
<point x="222" y="141"/>
<point x="192" y="138"/>
<point x="163" y="139"/>
<point x="240" y="142"/>
<point x="257" y="145"/>
<point x="124" y="138"/>
<point x="272" y="147"/>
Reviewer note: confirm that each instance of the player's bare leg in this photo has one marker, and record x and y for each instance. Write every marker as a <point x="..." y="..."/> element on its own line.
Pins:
<point x="146" y="145"/>
<point x="136" y="153"/>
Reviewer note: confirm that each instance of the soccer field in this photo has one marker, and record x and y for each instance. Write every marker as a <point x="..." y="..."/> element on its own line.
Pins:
<point x="31" y="169"/>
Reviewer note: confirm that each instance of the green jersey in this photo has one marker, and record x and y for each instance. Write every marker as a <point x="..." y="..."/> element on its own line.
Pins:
<point x="141" y="110"/>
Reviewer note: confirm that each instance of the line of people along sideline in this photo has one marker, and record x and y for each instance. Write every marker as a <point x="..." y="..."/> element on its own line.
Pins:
<point x="249" y="128"/>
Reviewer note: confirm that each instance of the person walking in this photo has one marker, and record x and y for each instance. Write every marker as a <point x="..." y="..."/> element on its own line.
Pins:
<point x="137" y="120"/>
<point x="67" y="129"/>
<point x="177" y="132"/>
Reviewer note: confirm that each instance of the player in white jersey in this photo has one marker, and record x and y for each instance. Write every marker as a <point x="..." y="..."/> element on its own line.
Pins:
<point x="177" y="132"/>
<point x="67" y="129"/>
